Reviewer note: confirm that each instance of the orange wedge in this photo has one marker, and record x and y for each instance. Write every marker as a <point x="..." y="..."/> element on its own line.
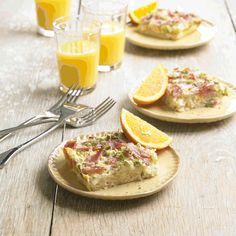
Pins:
<point x="153" y="87"/>
<point x="139" y="131"/>
<point x="136" y="15"/>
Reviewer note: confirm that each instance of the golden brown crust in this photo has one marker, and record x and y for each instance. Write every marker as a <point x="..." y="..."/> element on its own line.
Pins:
<point x="68" y="157"/>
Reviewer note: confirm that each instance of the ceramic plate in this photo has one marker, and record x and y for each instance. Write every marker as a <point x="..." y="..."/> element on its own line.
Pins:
<point x="204" y="34"/>
<point x="168" y="164"/>
<point x="199" y="115"/>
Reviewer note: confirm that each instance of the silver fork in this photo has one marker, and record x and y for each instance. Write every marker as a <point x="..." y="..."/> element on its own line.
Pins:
<point x="52" y="113"/>
<point x="88" y="119"/>
<point x="73" y="121"/>
<point x="94" y="115"/>
<point x="79" y="122"/>
<point x="65" y="112"/>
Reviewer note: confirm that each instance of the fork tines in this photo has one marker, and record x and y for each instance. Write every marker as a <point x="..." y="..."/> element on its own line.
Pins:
<point x="64" y="98"/>
<point x="98" y="111"/>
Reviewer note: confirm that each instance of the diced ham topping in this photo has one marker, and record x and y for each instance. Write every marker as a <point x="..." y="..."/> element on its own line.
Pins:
<point x="92" y="170"/>
<point x="128" y="154"/>
<point x="192" y="76"/>
<point x="94" y="157"/>
<point x="139" y="152"/>
<point x="70" y="144"/>
<point x="112" y="161"/>
<point x="176" y="90"/>
<point x="207" y="89"/>
<point x="84" y="148"/>
<point x="134" y="149"/>
<point x="144" y="154"/>
<point x="171" y="14"/>
<point x="116" y="144"/>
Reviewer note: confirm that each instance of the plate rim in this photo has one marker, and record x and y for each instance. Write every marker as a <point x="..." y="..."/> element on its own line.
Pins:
<point x="196" y="120"/>
<point x="174" y="47"/>
<point x="108" y="197"/>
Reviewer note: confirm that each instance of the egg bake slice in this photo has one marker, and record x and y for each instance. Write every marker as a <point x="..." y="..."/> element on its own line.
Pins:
<point x="188" y="89"/>
<point x="109" y="160"/>
<point x="166" y="24"/>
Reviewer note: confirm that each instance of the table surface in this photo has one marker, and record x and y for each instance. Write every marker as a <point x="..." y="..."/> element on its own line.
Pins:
<point x="200" y="201"/>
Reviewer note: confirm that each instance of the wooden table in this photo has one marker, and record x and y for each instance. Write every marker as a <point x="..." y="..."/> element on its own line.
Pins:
<point x="200" y="201"/>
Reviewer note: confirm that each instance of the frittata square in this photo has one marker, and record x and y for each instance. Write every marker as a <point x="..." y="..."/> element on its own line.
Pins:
<point x="166" y="24"/>
<point x="188" y="89"/>
<point x="110" y="160"/>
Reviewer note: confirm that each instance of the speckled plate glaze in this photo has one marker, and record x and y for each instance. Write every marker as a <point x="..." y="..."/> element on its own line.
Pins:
<point x="203" y="35"/>
<point x="168" y="163"/>
<point x="199" y="115"/>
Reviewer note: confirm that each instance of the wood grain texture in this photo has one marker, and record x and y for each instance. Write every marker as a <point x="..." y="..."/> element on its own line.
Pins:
<point x="200" y="201"/>
<point x="26" y="61"/>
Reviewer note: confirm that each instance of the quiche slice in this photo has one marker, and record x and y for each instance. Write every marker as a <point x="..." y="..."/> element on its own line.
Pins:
<point x="109" y="160"/>
<point x="166" y="24"/>
<point x="188" y="89"/>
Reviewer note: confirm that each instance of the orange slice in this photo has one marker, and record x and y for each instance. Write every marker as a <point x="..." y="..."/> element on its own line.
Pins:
<point x="153" y="87"/>
<point x="136" y="15"/>
<point x="139" y="131"/>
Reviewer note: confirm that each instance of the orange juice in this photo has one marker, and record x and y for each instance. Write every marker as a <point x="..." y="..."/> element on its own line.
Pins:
<point x="78" y="63"/>
<point x="49" y="10"/>
<point x="112" y="43"/>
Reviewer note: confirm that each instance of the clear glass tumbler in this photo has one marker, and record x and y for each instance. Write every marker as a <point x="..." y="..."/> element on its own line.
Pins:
<point x="112" y="15"/>
<point x="49" y="10"/>
<point x="78" y="43"/>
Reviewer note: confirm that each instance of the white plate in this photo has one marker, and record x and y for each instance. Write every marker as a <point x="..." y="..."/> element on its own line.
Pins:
<point x="199" y="115"/>
<point x="204" y="34"/>
<point x="168" y="164"/>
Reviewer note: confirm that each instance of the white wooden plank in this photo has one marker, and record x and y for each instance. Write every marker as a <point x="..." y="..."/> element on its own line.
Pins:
<point x="201" y="199"/>
<point x="26" y="60"/>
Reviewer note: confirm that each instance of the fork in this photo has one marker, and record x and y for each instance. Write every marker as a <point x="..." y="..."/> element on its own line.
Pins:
<point x="92" y="116"/>
<point x="74" y="121"/>
<point x="86" y="120"/>
<point x="65" y="112"/>
<point x="52" y="112"/>
<point x="95" y="114"/>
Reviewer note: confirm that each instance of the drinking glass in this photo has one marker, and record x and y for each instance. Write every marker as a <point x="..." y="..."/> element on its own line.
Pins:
<point x="49" y="10"/>
<point x="77" y="52"/>
<point x="112" y="15"/>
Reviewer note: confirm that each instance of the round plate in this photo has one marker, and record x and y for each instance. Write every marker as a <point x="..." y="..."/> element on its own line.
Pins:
<point x="198" y="115"/>
<point x="204" y="34"/>
<point x="168" y="164"/>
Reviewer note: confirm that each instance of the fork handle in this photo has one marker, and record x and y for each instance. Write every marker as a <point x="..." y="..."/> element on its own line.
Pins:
<point x="36" y="120"/>
<point x="32" y="119"/>
<point x="7" y="155"/>
<point x="30" y="122"/>
<point x="26" y="122"/>
<point x="23" y="125"/>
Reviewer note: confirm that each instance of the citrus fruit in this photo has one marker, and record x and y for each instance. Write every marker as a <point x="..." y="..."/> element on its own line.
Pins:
<point x="153" y="87"/>
<point x="136" y="15"/>
<point x="139" y="131"/>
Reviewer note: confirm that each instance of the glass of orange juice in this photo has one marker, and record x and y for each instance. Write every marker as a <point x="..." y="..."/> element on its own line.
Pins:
<point x="48" y="11"/>
<point x="112" y="15"/>
<point x="78" y="43"/>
